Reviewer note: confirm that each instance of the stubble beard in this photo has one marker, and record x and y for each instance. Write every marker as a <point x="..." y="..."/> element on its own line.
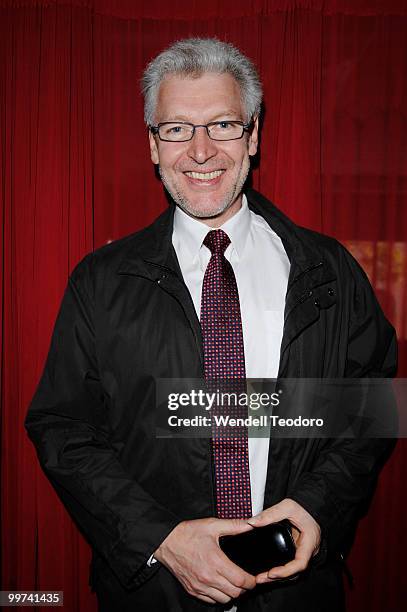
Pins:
<point x="207" y="213"/>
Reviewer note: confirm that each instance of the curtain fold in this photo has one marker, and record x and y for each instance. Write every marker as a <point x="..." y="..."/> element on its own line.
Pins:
<point x="75" y="173"/>
<point x="191" y="9"/>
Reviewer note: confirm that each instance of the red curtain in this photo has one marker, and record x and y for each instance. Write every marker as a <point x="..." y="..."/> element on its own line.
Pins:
<point x="75" y="173"/>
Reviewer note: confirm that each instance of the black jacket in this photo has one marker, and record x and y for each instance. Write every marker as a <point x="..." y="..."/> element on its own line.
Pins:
<point x="127" y="318"/>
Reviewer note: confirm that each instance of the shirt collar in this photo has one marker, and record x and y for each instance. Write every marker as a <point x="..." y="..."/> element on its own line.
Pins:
<point x="191" y="232"/>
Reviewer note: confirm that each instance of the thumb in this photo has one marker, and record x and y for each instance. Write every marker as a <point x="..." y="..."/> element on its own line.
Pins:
<point x="233" y="526"/>
<point x="271" y="515"/>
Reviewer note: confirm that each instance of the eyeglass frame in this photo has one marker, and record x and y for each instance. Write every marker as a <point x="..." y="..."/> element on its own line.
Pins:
<point x="154" y="129"/>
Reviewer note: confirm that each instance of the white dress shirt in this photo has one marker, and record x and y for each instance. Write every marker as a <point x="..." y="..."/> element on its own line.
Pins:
<point x="261" y="268"/>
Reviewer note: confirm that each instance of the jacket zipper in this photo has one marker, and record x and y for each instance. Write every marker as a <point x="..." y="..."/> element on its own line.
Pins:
<point x="312" y="267"/>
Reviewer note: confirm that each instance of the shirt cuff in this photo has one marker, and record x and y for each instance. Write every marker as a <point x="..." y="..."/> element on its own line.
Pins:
<point x="151" y="561"/>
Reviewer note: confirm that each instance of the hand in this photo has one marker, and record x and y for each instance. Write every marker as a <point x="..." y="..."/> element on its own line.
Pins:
<point x="191" y="552"/>
<point x="306" y="534"/>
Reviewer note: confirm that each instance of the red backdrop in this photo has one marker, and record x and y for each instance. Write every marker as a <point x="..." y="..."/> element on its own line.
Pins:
<point x="75" y="173"/>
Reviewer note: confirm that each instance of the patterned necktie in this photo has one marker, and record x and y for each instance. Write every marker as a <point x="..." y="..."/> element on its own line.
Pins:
<point x="224" y="366"/>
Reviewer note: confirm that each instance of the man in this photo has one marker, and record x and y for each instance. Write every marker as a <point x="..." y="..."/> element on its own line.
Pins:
<point x="146" y="307"/>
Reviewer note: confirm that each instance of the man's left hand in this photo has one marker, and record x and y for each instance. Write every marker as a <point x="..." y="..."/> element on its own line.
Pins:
<point x="306" y="533"/>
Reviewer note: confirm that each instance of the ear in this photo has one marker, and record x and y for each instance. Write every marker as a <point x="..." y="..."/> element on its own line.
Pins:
<point x="254" y="137"/>
<point x="153" y="148"/>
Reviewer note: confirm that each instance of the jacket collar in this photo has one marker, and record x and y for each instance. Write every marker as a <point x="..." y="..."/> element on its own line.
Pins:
<point x="151" y="249"/>
<point x="309" y="290"/>
<point x="311" y="275"/>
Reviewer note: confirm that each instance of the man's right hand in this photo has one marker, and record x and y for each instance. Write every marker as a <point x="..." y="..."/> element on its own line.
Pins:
<point x="191" y="552"/>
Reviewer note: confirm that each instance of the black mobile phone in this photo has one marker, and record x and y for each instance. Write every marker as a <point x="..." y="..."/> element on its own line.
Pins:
<point x="262" y="548"/>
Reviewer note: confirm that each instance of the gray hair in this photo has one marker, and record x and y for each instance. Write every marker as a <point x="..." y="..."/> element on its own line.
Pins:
<point x="194" y="56"/>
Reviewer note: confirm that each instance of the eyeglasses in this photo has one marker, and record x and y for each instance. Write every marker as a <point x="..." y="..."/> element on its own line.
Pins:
<point x="180" y="131"/>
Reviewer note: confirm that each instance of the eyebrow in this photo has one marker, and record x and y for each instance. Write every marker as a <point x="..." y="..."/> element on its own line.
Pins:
<point x="222" y="115"/>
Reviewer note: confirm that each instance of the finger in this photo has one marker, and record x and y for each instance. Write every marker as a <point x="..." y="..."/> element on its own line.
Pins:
<point x="214" y="594"/>
<point x="236" y="575"/>
<point x="305" y="546"/>
<point x="299" y="564"/>
<point x="264" y="577"/>
<point x="205" y="598"/>
<point x="231" y="526"/>
<point x="271" y="515"/>
<point x="280" y="572"/>
<point x="296" y="533"/>
<point x="228" y="588"/>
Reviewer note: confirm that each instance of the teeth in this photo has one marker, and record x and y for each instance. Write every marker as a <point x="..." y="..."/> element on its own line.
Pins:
<point x="204" y="176"/>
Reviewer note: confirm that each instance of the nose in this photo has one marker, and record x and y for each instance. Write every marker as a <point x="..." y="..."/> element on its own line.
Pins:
<point x="201" y="147"/>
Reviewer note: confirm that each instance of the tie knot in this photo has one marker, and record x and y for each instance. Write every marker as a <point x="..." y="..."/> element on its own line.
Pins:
<point x="217" y="241"/>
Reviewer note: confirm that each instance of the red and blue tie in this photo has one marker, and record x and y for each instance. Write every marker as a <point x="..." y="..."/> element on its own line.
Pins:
<point x="224" y="365"/>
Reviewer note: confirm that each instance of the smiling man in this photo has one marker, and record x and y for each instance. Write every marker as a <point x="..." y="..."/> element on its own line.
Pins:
<point x="222" y="285"/>
<point x="206" y="176"/>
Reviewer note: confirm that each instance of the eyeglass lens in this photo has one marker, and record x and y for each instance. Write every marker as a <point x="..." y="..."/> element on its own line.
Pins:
<point x="221" y="130"/>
